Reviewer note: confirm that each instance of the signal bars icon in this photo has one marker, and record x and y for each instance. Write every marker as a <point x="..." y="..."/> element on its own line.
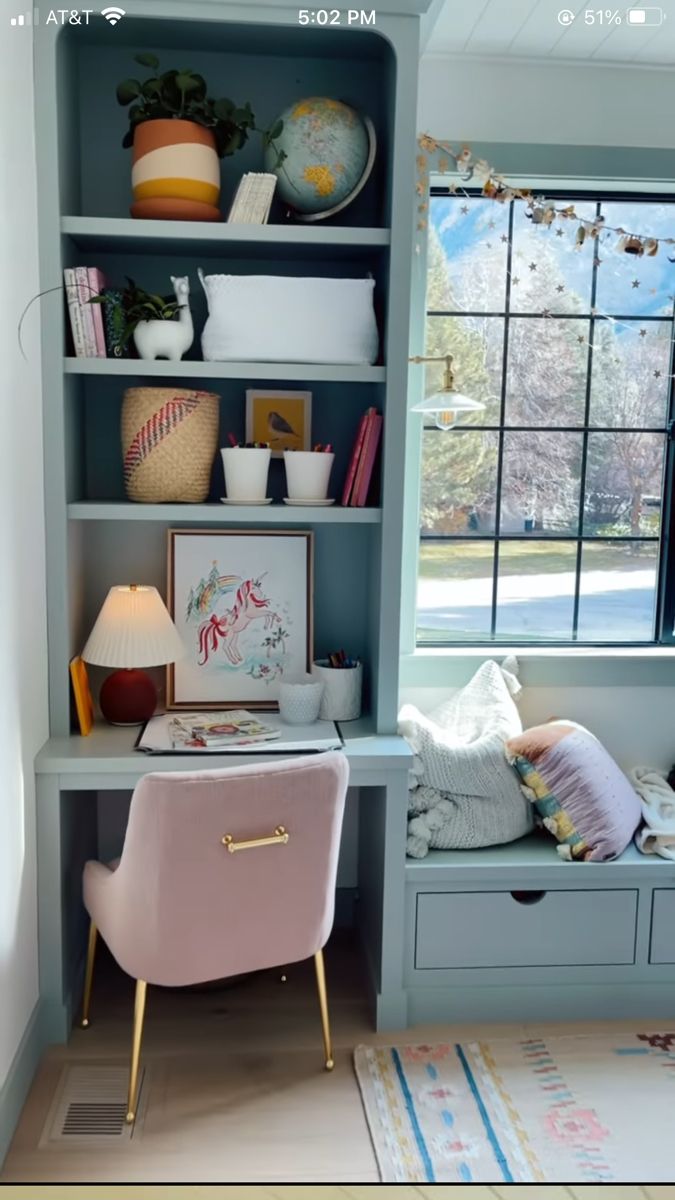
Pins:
<point x="32" y="17"/>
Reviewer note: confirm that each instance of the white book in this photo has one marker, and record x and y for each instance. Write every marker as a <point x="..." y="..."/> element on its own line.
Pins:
<point x="74" y="312"/>
<point x="84" y="293"/>
<point x="236" y="210"/>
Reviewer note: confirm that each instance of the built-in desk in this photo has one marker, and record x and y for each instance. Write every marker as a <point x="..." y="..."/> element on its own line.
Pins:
<point x="72" y="770"/>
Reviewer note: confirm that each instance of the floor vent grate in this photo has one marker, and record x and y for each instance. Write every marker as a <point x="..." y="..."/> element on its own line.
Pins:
<point x="90" y="1105"/>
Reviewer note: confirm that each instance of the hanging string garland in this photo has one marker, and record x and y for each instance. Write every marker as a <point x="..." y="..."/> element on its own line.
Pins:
<point x="540" y="211"/>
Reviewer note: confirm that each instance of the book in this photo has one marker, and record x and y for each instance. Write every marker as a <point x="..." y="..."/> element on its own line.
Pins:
<point x="96" y="285"/>
<point x="74" y="313"/>
<point x="364" y="475"/>
<point x="159" y="736"/>
<point x="354" y="460"/>
<point x="253" y="199"/>
<point x="84" y="294"/>
<point x="84" y="705"/>
<point x="114" y="323"/>
<point x="234" y="728"/>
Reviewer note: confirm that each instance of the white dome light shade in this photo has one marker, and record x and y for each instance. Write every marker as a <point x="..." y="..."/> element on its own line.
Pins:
<point x="447" y="402"/>
<point x="133" y="629"/>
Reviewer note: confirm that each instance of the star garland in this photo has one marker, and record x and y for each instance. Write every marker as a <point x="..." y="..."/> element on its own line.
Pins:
<point x="539" y="210"/>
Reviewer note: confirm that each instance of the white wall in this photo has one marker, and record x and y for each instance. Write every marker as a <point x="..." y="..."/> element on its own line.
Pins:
<point x="23" y="642"/>
<point x="485" y="100"/>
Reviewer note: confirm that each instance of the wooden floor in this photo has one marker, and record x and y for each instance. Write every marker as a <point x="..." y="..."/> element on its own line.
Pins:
<point x="237" y="1090"/>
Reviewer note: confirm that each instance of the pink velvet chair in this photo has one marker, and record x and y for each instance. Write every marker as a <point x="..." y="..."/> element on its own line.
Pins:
<point x="222" y="872"/>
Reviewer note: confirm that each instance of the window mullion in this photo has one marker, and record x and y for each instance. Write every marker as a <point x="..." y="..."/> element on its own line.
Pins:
<point x="502" y="418"/>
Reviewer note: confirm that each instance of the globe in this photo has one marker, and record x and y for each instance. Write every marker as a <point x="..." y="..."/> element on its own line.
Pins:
<point x="329" y="152"/>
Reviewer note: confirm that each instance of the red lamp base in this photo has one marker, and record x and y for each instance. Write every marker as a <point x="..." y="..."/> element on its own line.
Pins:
<point x="128" y="697"/>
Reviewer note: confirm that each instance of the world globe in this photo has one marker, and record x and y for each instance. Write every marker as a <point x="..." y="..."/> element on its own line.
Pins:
<point x="329" y="149"/>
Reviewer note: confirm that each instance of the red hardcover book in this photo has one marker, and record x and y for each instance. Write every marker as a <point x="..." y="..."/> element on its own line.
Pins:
<point x="370" y="447"/>
<point x="354" y="460"/>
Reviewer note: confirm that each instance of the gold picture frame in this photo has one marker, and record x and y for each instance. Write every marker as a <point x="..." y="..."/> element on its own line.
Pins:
<point x="242" y="601"/>
<point x="283" y="419"/>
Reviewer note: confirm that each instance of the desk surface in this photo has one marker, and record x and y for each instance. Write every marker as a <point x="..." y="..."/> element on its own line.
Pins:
<point x="109" y="750"/>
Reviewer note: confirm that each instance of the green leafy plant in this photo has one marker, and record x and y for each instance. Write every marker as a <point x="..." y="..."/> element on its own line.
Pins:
<point x="182" y="94"/>
<point x="139" y="305"/>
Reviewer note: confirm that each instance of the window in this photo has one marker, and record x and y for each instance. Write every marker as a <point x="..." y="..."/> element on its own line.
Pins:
<point x="544" y="518"/>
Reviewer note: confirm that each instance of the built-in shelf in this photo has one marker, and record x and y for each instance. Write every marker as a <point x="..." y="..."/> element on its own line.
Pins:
<point x="223" y="514"/>
<point x="163" y="369"/>
<point x="121" y="235"/>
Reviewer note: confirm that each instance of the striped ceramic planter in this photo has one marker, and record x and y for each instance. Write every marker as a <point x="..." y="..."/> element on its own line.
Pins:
<point x="176" y="172"/>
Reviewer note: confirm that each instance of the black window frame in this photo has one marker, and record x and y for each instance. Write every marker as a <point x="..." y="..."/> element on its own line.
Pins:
<point x="664" y="615"/>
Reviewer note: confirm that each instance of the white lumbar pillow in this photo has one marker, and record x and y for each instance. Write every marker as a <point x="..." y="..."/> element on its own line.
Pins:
<point x="273" y="318"/>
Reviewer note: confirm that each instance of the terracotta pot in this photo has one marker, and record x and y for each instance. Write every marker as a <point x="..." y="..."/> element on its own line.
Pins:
<point x="176" y="172"/>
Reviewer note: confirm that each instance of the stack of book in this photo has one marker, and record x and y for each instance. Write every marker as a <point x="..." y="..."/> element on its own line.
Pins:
<point x="253" y="199"/>
<point x="86" y="320"/>
<point x="362" y="462"/>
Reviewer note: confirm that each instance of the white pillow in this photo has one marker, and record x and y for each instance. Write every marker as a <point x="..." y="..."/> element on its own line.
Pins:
<point x="273" y="318"/>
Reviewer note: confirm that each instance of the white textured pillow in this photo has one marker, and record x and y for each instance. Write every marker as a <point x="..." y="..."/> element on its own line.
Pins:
<point x="273" y="318"/>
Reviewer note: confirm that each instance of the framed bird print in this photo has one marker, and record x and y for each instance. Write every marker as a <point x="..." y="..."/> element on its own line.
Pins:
<point x="282" y="419"/>
<point x="241" y="600"/>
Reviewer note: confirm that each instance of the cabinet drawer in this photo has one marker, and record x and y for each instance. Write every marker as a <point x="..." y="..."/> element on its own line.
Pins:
<point x="525" y="929"/>
<point x="662" y="944"/>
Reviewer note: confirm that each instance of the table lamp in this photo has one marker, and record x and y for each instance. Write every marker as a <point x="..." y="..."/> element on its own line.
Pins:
<point x="133" y="630"/>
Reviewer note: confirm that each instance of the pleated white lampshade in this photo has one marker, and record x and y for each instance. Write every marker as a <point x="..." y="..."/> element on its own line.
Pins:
<point x="133" y="629"/>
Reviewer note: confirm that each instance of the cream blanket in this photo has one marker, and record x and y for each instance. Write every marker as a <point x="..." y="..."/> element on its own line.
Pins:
<point x="657" y="835"/>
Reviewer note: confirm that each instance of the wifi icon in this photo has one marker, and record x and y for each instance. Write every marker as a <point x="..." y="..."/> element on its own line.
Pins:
<point x="112" y="14"/>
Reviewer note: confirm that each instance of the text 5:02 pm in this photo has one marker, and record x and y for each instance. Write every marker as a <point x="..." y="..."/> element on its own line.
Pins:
<point x="336" y="16"/>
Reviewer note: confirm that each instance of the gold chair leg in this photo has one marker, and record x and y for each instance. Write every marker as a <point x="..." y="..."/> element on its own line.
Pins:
<point x="139" y="1012"/>
<point x="323" y="1005"/>
<point x="88" y="975"/>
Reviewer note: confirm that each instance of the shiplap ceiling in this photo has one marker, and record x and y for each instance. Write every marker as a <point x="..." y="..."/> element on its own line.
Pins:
<point x="530" y="29"/>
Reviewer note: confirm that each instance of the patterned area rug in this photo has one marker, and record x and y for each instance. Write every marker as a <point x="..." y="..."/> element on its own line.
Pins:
<point x="536" y="1110"/>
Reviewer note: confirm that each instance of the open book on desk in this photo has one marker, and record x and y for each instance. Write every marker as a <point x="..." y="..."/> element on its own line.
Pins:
<point x="165" y="734"/>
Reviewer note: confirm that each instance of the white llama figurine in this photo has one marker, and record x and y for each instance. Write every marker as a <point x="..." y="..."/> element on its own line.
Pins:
<point x="168" y="339"/>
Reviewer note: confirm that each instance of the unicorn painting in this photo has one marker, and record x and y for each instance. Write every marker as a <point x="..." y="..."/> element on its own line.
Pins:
<point x="245" y="619"/>
<point x="223" y="631"/>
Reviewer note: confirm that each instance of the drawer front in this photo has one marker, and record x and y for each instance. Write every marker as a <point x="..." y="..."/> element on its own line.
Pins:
<point x="525" y="929"/>
<point x="662" y="945"/>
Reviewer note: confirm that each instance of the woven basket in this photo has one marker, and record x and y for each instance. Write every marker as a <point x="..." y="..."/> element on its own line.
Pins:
<point x="169" y="442"/>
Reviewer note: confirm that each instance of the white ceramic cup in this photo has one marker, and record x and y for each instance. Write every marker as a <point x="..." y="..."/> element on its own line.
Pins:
<point x="341" y="700"/>
<point x="300" y="699"/>
<point x="246" y="471"/>
<point x="307" y="474"/>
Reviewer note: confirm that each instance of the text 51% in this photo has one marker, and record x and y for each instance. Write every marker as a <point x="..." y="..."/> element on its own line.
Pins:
<point x="602" y="16"/>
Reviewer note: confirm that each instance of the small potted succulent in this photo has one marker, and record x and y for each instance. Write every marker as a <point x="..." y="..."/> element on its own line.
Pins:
<point x="151" y="319"/>
<point x="178" y="134"/>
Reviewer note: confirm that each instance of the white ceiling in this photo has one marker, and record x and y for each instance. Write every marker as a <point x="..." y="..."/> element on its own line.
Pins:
<point x="530" y="29"/>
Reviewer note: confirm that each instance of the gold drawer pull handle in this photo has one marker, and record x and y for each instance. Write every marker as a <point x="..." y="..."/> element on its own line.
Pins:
<point x="280" y="837"/>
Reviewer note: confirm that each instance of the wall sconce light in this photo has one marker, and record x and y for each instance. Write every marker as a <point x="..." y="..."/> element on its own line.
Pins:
<point x="446" y="404"/>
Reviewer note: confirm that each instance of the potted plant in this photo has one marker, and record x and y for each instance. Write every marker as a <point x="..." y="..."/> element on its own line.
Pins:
<point x="178" y="133"/>
<point x="151" y="319"/>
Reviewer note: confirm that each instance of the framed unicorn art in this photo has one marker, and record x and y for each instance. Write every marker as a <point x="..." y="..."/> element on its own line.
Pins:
<point x="242" y="603"/>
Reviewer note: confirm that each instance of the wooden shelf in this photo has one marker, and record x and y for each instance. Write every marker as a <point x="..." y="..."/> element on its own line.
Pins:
<point x="162" y="369"/>
<point x="223" y="514"/>
<point x="121" y="235"/>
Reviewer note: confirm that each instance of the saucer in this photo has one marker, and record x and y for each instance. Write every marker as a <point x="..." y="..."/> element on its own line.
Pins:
<point x="309" y="503"/>
<point x="252" y="503"/>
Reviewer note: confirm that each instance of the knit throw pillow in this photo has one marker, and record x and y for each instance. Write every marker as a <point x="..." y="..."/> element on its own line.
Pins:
<point x="581" y="795"/>
<point x="462" y="792"/>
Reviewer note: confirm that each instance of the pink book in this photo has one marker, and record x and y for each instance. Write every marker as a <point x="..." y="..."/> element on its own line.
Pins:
<point x="372" y="441"/>
<point x="356" y="453"/>
<point x="97" y="284"/>
<point x="83" y="294"/>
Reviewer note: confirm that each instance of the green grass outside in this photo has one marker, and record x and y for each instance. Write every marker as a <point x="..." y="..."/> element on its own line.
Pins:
<point x="473" y="560"/>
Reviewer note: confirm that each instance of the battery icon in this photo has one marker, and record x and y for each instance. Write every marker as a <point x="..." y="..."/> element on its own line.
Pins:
<point x="644" y="16"/>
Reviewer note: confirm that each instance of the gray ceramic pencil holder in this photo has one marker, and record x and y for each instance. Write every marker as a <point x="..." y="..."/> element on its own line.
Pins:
<point x="341" y="699"/>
